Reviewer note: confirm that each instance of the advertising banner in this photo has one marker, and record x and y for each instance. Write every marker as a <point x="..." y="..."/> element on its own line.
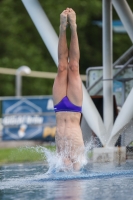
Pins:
<point x="28" y="119"/>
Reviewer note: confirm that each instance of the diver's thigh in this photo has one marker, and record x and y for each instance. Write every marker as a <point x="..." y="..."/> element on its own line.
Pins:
<point x="59" y="87"/>
<point x="74" y="89"/>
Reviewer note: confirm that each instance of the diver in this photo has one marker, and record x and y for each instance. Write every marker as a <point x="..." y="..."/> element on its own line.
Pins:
<point x="68" y="95"/>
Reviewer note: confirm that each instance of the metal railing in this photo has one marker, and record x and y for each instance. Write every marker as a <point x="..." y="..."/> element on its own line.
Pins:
<point x="119" y="61"/>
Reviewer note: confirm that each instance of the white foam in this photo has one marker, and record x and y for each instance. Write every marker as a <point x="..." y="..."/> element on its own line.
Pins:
<point x="55" y="161"/>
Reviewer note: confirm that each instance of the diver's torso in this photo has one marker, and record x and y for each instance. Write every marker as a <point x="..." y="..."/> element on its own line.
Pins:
<point x="68" y="129"/>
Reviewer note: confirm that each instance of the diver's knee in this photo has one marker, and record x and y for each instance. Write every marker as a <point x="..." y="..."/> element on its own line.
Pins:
<point x="62" y="67"/>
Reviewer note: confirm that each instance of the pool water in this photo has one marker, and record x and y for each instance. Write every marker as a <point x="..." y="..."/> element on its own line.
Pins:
<point x="94" y="182"/>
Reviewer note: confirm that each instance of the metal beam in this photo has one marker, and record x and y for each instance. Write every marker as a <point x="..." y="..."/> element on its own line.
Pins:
<point x="124" y="117"/>
<point x="43" y="26"/>
<point x="107" y="66"/>
<point x="123" y="10"/>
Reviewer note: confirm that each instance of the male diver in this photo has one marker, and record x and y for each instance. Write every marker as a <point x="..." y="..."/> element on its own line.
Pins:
<point x="68" y="96"/>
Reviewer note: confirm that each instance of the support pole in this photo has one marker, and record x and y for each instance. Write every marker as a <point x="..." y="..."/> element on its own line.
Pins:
<point x="19" y="72"/>
<point x="18" y="84"/>
<point x="123" y="10"/>
<point x="124" y="117"/>
<point x="43" y="26"/>
<point x="107" y="66"/>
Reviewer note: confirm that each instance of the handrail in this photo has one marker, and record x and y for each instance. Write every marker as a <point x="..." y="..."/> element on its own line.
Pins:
<point x="36" y="74"/>
<point x="87" y="71"/>
<point x="117" y="62"/>
<point x="101" y="67"/>
<point x="128" y="53"/>
<point x="124" y="66"/>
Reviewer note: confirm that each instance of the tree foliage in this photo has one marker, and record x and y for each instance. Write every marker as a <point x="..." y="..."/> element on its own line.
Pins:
<point x="20" y="43"/>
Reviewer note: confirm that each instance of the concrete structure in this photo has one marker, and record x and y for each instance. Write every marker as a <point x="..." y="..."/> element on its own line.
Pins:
<point x="110" y="154"/>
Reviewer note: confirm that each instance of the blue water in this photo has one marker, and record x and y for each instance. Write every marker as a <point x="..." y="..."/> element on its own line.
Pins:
<point x="94" y="182"/>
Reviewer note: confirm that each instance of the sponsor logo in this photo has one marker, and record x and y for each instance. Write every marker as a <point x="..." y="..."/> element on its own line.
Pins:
<point x="27" y="118"/>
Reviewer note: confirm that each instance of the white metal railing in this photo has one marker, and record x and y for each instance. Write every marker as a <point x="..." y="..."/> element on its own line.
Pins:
<point x="128" y="53"/>
<point x="37" y="74"/>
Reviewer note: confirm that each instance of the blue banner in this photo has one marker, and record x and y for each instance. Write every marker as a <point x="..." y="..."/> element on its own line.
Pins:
<point x="28" y="119"/>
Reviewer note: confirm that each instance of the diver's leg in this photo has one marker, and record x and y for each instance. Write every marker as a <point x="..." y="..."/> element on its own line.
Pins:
<point x="60" y="83"/>
<point x="74" y="90"/>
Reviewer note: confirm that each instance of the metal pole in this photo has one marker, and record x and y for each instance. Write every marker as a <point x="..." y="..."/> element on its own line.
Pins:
<point x="125" y="56"/>
<point x="107" y="66"/>
<point x="124" y="117"/>
<point x="19" y="71"/>
<point x="125" y="14"/>
<point x="43" y="26"/>
<point x="18" y="83"/>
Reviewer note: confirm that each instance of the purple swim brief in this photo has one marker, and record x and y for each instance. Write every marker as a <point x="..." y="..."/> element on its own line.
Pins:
<point x="66" y="105"/>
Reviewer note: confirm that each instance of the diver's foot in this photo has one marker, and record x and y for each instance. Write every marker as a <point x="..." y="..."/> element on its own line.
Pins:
<point x="63" y="19"/>
<point x="72" y="18"/>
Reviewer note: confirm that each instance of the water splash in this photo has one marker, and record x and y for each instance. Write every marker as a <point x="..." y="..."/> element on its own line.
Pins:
<point x="56" y="162"/>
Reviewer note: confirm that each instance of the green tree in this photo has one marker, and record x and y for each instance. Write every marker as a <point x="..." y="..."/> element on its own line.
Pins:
<point x="20" y="43"/>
